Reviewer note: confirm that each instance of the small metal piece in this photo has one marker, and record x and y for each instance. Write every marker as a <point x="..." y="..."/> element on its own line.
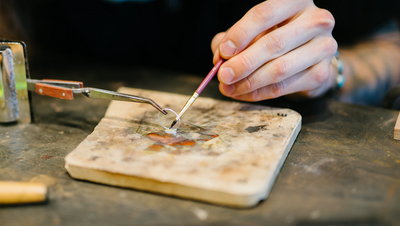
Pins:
<point x="170" y="130"/>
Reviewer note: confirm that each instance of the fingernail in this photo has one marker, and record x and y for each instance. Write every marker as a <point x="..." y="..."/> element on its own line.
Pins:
<point x="226" y="74"/>
<point x="228" y="48"/>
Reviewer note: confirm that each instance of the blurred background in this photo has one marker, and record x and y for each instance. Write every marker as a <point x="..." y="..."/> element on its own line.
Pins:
<point x="160" y="33"/>
<point x="170" y="34"/>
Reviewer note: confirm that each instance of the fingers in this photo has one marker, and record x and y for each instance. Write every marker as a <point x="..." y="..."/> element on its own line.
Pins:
<point x="311" y="82"/>
<point x="216" y="41"/>
<point x="275" y="44"/>
<point x="218" y="37"/>
<point x="214" y="46"/>
<point x="258" y="19"/>
<point x="287" y="65"/>
<point x="279" y="47"/>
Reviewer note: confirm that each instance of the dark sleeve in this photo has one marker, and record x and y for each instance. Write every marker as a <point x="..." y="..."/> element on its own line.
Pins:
<point x="357" y="18"/>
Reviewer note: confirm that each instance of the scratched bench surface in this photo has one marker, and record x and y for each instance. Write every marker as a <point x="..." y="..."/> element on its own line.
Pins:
<point x="224" y="152"/>
<point x="343" y="168"/>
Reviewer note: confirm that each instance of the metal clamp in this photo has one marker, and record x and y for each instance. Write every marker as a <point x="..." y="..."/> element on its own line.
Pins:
<point x="15" y="83"/>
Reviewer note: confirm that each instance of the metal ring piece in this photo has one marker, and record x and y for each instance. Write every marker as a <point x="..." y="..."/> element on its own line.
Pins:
<point x="167" y="129"/>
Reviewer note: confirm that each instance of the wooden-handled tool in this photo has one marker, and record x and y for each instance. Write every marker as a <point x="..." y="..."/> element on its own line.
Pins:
<point x="15" y="84"/>
<point x="22" y="192"/>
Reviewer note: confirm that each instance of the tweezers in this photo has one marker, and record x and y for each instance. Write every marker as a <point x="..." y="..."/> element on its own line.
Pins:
<point x="66" y="89"/>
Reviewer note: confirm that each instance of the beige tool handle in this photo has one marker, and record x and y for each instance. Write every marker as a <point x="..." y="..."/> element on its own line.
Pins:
<point x="397" y="129"/>
<point x="22" y="192"/>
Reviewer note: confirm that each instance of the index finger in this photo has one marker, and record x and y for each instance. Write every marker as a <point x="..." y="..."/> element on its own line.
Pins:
<point x="258" y="19"/>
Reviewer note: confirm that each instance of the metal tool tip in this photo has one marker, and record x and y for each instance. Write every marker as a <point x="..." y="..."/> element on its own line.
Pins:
<point x="173" y="123"/>
<point x="164" y="112"/>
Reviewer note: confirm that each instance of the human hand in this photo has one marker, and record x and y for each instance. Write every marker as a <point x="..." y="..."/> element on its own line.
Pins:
<point x="279" y="47"/>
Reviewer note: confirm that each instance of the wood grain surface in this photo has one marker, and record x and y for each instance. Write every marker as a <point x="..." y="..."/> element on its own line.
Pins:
<point x="343" y="168"/>
<point x="227" y="153"/>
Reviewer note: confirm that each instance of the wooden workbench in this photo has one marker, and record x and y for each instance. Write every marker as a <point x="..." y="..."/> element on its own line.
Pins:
<point x="344" y="167"/>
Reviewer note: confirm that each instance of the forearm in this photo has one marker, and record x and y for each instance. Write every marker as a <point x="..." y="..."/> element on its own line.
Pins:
<point x="371" y="68"/>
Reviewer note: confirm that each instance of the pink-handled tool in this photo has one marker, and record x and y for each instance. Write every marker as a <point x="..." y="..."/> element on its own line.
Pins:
<point x="199" y="89"/>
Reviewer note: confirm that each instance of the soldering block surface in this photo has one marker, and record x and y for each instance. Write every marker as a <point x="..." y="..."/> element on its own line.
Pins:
<point x="226" y="153"/>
